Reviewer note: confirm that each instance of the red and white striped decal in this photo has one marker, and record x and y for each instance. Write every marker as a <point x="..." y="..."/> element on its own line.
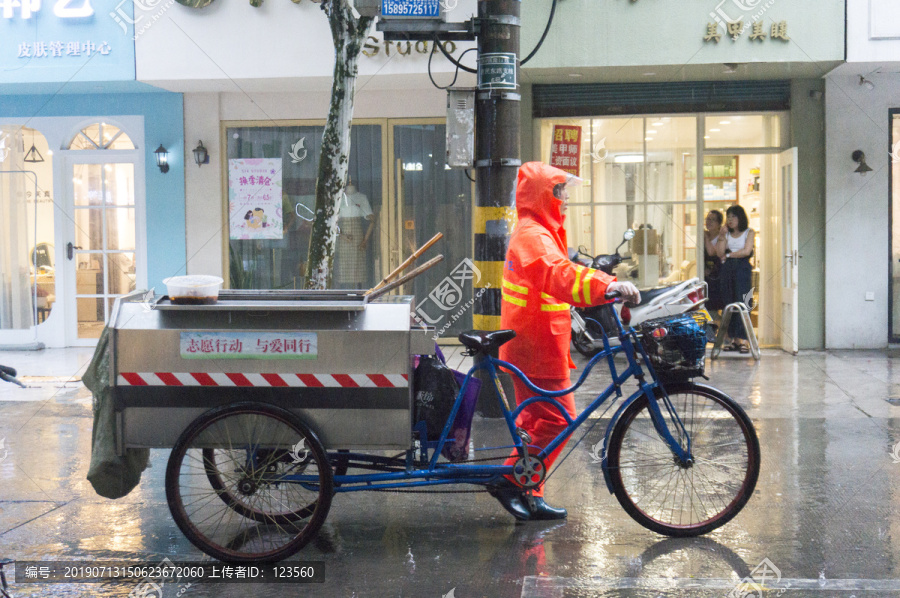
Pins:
<point x="267" y="380"/>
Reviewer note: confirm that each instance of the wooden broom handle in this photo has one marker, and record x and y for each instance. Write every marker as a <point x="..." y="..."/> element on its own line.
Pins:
<point x="418" y="252"/>
<point x="405" y="278"/>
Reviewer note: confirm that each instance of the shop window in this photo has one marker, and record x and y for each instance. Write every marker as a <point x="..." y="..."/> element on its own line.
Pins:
<point x="638" y="173"/>
<point x="271" y="203"/>
<point x="27" y="258"/>
<point x="743" y="130"/>
<point x="101" y="136"/>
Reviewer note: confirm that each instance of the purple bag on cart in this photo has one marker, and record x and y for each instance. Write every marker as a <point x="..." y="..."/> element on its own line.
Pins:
<point x="436" y="389"/>
<point x="457" y="446"/>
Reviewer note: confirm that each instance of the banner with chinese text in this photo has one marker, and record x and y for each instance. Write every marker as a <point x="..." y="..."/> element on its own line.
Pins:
<point x="254" y="198"/>
<point x="249" y="345"/>
<point x="565" y="153"/>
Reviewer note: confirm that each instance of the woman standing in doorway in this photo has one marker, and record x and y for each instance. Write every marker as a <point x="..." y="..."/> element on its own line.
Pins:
<point x="734" y="248"/>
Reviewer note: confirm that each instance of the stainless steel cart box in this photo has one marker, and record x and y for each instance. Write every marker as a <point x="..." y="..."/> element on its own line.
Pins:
<point x="343" y="364"/>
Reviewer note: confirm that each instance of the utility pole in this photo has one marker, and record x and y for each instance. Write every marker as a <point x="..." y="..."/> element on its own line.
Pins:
<point x="497" y="120"/>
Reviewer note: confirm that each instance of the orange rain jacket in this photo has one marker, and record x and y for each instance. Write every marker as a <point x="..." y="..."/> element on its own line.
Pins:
<point x="540" y="282"/>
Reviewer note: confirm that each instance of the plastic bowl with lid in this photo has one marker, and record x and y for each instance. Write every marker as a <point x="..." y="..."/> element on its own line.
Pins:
<point x="194" y="289"/>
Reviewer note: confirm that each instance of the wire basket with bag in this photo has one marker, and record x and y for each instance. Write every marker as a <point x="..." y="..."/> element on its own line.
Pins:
<point x="676" y="345"/>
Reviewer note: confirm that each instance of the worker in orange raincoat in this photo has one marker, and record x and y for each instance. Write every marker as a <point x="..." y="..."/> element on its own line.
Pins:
<point x="539" y="285"/>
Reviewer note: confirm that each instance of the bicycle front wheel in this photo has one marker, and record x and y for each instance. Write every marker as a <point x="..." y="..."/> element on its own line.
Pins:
<point x="685" y="499"/>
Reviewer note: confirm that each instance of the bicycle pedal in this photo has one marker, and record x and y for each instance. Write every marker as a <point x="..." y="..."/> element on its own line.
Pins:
<point x="525" y="436"/>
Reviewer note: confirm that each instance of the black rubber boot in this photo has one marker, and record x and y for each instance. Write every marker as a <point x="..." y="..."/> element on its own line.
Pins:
<point x="541" y="511"/>
<point x="512" y="498"/>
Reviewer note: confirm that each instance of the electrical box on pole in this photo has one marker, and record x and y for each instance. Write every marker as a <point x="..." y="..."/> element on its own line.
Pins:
<point x="461" y="128"/>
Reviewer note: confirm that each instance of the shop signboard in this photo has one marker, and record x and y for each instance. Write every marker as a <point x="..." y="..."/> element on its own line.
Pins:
<point x="47" y="41"/>
<point x="565" y="151"/>
<point x="497" y="70"/>
<point x="254" y="198"/>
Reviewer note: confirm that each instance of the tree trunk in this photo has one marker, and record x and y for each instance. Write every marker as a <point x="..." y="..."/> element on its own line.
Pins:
<point x="347" y="33"/>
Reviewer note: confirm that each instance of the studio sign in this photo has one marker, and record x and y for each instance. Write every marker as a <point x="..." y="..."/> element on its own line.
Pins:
<point x="374" y="45"/>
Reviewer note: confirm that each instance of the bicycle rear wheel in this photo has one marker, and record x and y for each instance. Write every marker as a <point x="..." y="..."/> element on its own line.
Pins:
<point x="228" y="485"/>
<point x="677" y="499"/>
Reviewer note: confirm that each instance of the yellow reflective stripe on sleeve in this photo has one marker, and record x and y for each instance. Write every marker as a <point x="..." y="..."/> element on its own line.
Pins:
<point x="577" y="286"/>
<point x="514" y="300"/>
<point x="515" y="287"/>
<point x="554" y="307"/>
<point x="551" y="300"/>
<point x="587" y="285"/>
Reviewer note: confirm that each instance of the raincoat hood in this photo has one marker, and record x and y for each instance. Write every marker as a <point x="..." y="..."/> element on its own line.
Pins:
<point x="534" y="194"/>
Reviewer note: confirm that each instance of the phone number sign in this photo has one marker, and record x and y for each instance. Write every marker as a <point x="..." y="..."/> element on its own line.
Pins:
<point x="411" y="8"/>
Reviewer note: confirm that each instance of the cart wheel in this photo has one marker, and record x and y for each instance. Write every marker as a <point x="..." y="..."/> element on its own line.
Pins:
<point x="215" y="459"/>
<point x="249" y="456"/>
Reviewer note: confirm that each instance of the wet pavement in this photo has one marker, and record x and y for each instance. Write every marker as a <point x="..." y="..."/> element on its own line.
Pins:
<point x="824" y="520"/>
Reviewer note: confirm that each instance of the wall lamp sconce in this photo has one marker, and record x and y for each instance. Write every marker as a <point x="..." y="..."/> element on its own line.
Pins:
<point x="863" y="82"/>
<point x="162" y="159"/>
<point x="860" y="158"/>
<point x="201" y="155"/>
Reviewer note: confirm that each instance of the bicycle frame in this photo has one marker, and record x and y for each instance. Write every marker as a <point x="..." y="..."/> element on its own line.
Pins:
<point x="398" y="473"/>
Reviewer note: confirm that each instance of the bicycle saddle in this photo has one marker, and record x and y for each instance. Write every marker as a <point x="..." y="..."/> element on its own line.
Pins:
<point x="482" y="341"/>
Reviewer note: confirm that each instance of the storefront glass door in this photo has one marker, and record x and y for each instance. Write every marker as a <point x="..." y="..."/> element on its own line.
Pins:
<point x="787" y="191"/>
<point x="101" y="252"/>
<point x="27" y="258"/>
<point x="894" y="194"/>
<point x="431" y="198"/>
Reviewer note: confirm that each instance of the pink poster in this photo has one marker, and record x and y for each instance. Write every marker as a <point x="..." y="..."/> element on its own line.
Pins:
<point x="254" y="198"/>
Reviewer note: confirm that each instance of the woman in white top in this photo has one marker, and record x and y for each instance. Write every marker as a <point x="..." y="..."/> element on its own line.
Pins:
<point x="734" y="248"/>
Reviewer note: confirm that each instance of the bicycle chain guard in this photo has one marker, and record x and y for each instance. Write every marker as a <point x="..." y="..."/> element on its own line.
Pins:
<point x="529" y="471"/>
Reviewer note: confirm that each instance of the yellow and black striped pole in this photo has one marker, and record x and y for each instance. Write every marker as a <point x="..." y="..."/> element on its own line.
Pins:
<point x="491" y="227"/>
<point x="497" y="122"/>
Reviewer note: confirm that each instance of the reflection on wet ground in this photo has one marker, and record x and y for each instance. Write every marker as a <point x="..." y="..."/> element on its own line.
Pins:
<point x="824" y="520"/>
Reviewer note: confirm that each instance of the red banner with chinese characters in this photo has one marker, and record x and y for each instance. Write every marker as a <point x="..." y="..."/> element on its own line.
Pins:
<point x="565" y="152"/>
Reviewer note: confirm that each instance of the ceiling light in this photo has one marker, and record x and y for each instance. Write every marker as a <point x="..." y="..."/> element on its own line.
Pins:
<point x="649" y="74"/>
<point x="575" y="75"/>
<point x="658" y="123"/>
<point x="724" y="122"/>
<point x="706" y="136"/>
<point x="648" y="138"/>
<point x="628" y="158"/>
<point x="714" y="130"/>
<point x="731" y="67"/>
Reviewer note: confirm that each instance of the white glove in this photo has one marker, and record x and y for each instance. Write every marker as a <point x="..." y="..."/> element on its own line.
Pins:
<point x="627" y="290"/>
